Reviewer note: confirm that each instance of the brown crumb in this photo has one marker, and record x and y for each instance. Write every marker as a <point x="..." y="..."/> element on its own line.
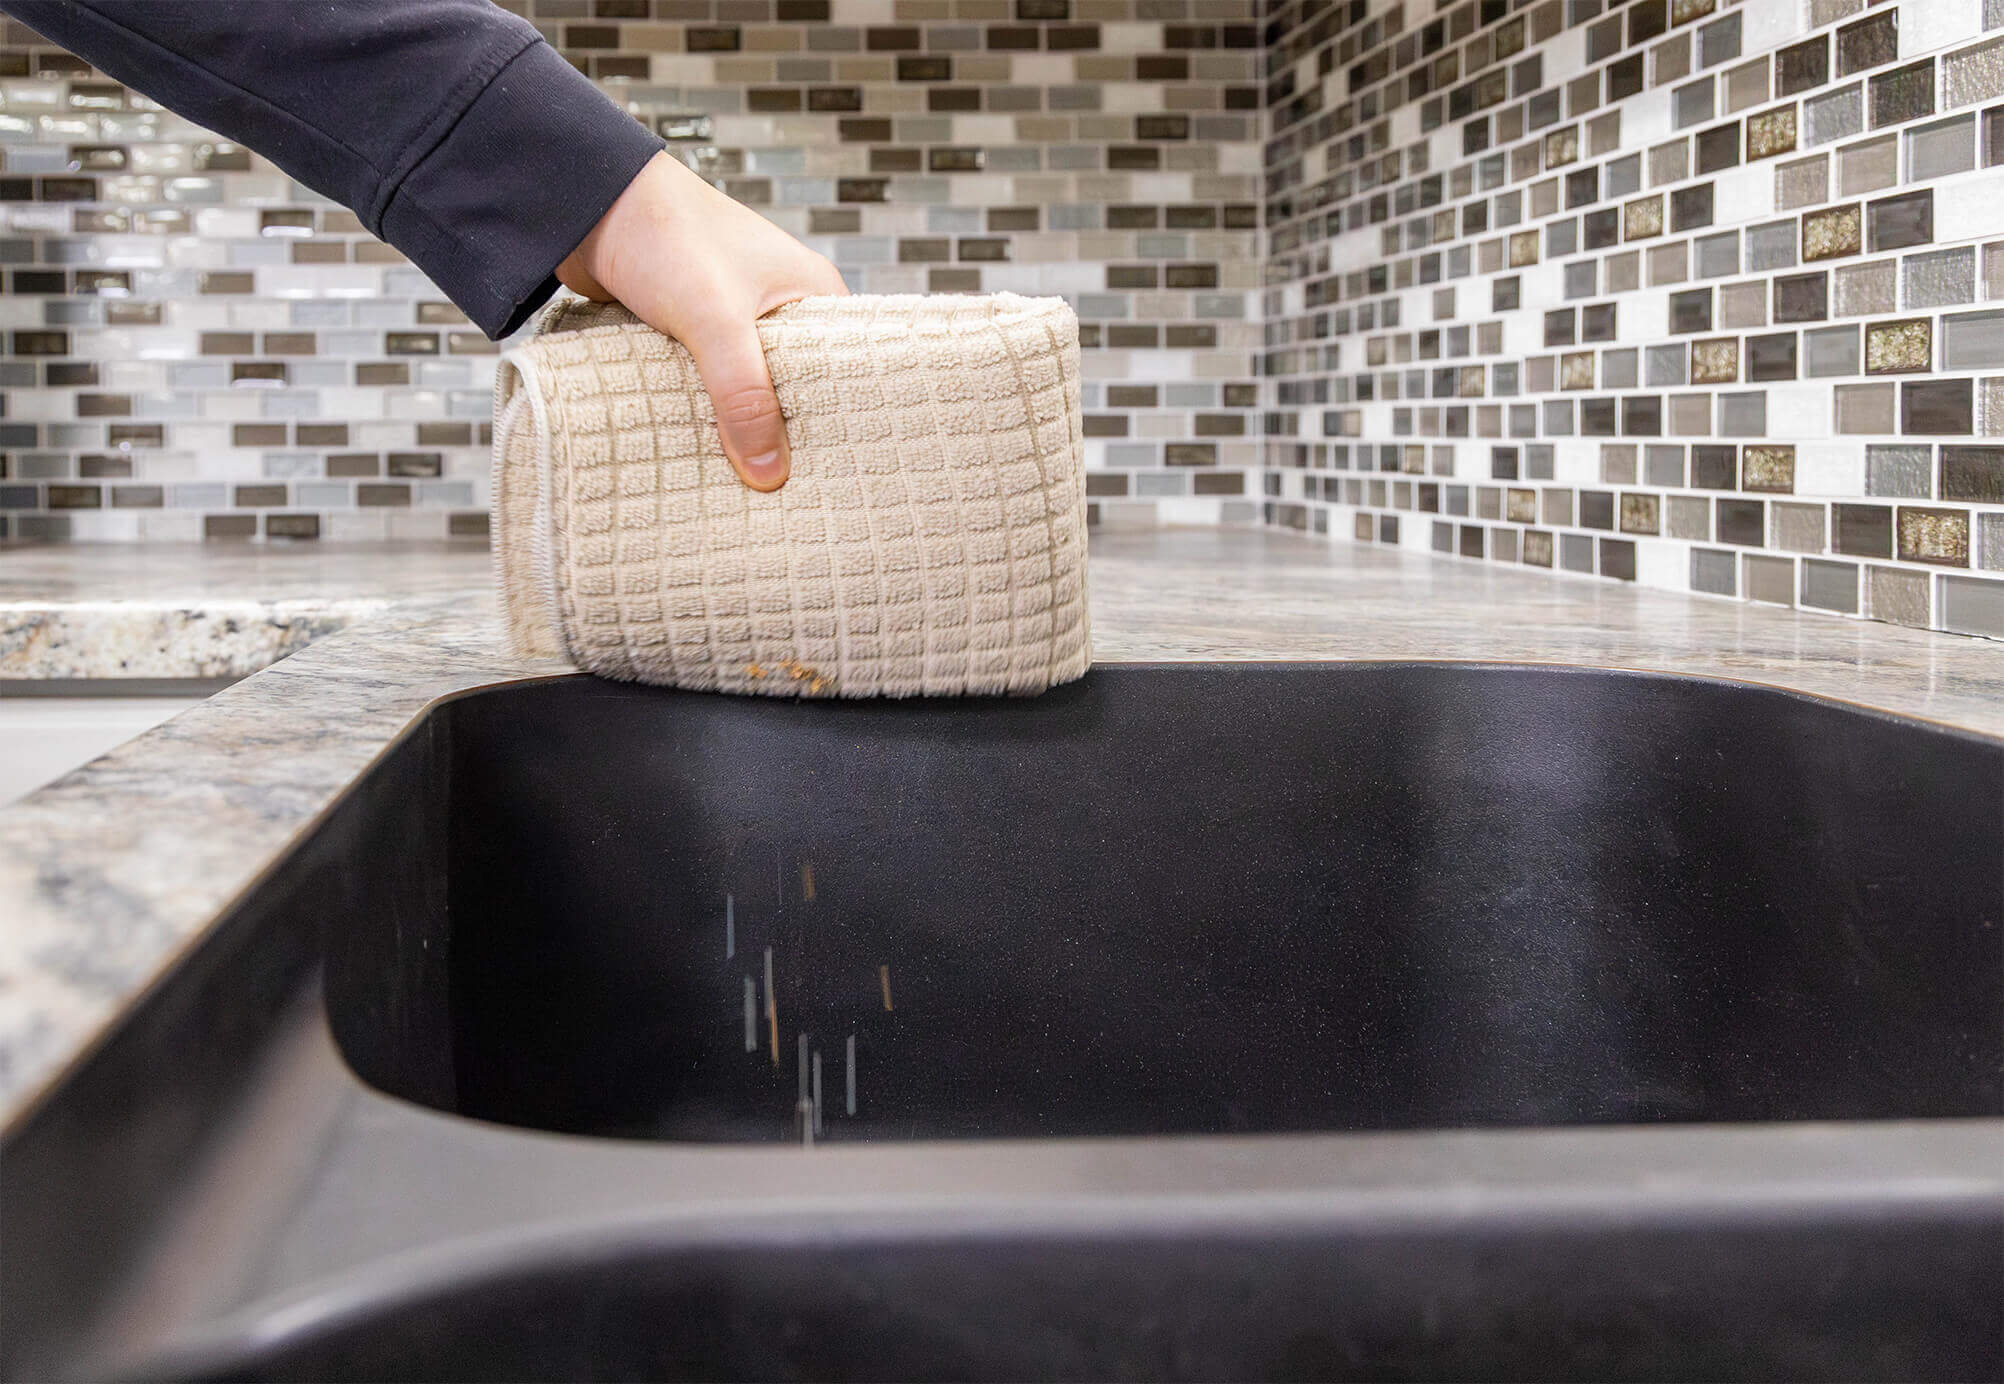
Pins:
<point x="752" y="670"/>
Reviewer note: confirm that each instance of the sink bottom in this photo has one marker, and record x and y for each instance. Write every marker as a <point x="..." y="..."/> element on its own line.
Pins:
<point x="1799" y="1297"/>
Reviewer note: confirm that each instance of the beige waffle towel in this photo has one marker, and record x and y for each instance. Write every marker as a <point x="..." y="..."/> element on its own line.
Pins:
<point x="931" y="540"/>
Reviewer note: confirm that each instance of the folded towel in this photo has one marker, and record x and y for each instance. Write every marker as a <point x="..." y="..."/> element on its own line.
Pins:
<point x="931" y="539"/>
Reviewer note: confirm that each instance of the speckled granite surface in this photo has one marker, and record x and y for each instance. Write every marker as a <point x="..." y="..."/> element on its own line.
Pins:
<point x="202" y="611"/>
<point x="109" y="874"/>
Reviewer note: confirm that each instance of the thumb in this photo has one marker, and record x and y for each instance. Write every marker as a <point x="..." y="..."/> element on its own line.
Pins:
<point x="732" y="364"/>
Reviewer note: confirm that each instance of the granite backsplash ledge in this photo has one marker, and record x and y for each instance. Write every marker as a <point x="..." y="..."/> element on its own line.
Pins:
<point x="1699" y="295"/>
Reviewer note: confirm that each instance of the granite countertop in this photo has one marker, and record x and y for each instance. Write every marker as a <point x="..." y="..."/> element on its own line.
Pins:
<point x="123" y="611"/>
<point x="111" y="873"/>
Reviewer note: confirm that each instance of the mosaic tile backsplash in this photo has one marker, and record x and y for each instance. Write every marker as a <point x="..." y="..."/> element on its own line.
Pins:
<point x="1703" y="296"/>
<point x="199" y="347"/>
<point x="1673" y="292"/>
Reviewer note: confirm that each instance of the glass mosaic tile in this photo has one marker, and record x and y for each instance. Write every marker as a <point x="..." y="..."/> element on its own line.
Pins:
<point x="1871" y="42"/>
<point x="1640" y="513"/>
<point x="1830" y="233"/>
<point x="1692" y="103"/>
<point x="1941" y="149"/>
<point x="1864" y="289"/>
<point x="1830" y="586"/>
<point x="1862" y="530"/>
<point x="1743" y="305"/>
<point x="1747" y="85"/>
<point x="1938" y="536"/>
<point x="1868" y="165"/>
<point x="1973" y="74"/>
<point x="1990" y="542"/>
<point x="1801" y="298"/>
<point x="1972" y="340"/>
<point x="1900" y="597"/>
<point x="1830" y="351"/>
<point x="1905" y="93"/>
<point x="1865" y="409"/>
<point x="1973" y="474"/>
<point x="1670" y="162"/>
<point x="1834" y="115"/>
<point x="1799" y="528"/>
<point x="1771" y="357"/>
<point x="1771" y="246"/>
<point x="1715" y="361"/>
<point x="1937" y="407"/>
<point x="1768" y="467"/>
<point x="1896" y="347"/>
<point x="1717" y="256"/>
<point x="1802" y="183"/>
<point x="1900" y="472"/>
<point x="1802" y="66"/>
<point x="1941" y="278"/>
<point x="1712" y="572"/>
<point x="1972" y="605"/>
<point x="1669" y="264"/>
<point x="1642" y="218"/>
<point x="1720" y="41"/>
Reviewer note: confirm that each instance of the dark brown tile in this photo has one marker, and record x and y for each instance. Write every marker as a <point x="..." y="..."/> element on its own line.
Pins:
<point x="1801" y="298"/>
<point x="1935" y="407"/>
<point x="1973" y="474"/>
<point x="300" y="526"/>
<point x="1897" y="222"/>
<point x="1863" y="530"/>
<point x="221" y="527"/>
<point x="1905" y="93"/>
<point x="1802" y="66"/>
<point x="1771" y="357"/>
<point x="1870" y="42"/>
<point x="1742" y="523"/>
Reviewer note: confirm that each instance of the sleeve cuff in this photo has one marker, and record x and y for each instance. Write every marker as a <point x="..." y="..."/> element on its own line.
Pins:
<point x="508" y="193"/>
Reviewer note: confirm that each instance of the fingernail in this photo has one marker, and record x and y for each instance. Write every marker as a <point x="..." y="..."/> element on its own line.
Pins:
<point x="767" y="470"/>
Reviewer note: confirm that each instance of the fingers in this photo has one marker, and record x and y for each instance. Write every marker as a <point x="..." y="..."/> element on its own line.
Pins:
<point x="732" y="364"/>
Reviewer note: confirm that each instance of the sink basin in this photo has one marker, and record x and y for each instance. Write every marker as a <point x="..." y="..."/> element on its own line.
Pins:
<point x="1190" y="900"/>
<point x="1246" y="1020"/>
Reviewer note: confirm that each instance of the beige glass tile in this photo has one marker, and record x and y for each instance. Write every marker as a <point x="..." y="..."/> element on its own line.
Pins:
<point x="1802" y="183"/>
<point x="1743" y="305"/>
<point x="1898" y="596"/>
<point x="1670" y="162"/>
<point x="1868" y="165"/>
<point x="1690" y="517"/>
<point x="1865" y="289"/>
<point x="1799" y="528"/>
<point x="1864" y="409"/>
<point x="1747" y="85"/>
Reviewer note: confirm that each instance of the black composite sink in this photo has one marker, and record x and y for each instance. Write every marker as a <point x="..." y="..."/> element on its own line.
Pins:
<point x="1560" y="1023"/>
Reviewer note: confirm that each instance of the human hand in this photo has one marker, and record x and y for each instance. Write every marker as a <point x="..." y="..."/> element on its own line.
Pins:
<point x="689" y="261"/>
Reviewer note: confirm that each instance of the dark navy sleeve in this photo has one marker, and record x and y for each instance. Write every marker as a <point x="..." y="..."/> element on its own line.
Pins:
<point x="449" y="126"/>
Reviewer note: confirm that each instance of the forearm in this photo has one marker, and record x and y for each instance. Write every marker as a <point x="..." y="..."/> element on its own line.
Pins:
<point x="449" y="127"/>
